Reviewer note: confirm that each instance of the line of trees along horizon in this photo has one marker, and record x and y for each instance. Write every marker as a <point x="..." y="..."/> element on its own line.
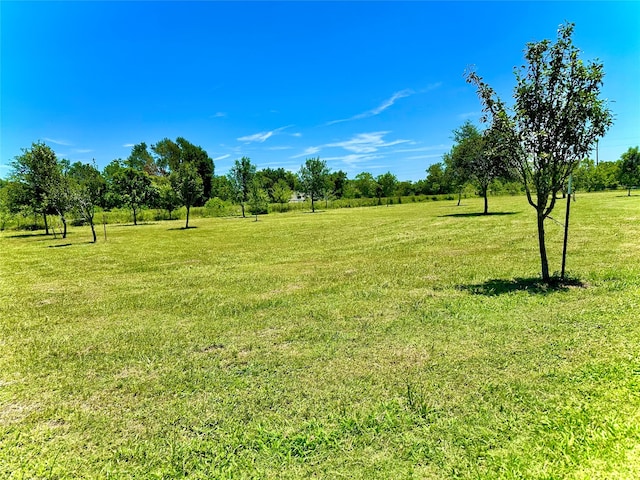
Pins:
<point x="176" y="174"/>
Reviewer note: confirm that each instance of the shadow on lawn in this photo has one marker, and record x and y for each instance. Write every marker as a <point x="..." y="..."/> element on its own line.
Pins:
<point x="479" y="214"/>
<point x="533" y="285"/>
<point x="181" y="228"/>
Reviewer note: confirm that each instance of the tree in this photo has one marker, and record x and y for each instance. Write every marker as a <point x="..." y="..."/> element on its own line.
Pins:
<point x="59" y="193"/>
<point x="436" y="182"/>
<point x="134" y="188"/>
<point x="141" y="159"/>
<point x="188" y="185"/>
<point x="240" y="177"/>
<point x="170" y="155"/>
<point x="167" y="198"/>
<point x="88" y="187"/>
<point x="338" y="182"/>
<point x="629" y="173"/>
<point x="35" y="169"/>
<point x="557" y="118"/>
<point x="387" y="182"/>
<point x="365" y="185"/>
<point x="313" y="179"/>
<point x="281" y="192"/>
<point x="258" y="198"/>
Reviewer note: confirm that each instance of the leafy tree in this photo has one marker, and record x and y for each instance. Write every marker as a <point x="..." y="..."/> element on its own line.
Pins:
<point x="221" y="187"/>
<point x="88" y="187"/>
<point x="387" y="183"/>
<point x="135" y="189"/>
<point x="629" y="174"/>
<point x="170" y="155"/>
<point x="338" y="181"/>
<point x="240" y="178"/>
<point x="365" y="185"/>
<point x="281" y="192"/>
<point x="140" y="159"/>
<point x="557" y="118"/>
<point x="35" y="169"/>
<point x="436" y="182"/>
<point x="313" y="177"/>
<point x="188" y="185"/>
<point x="258" y="198"/>
<point x="405" y="188"/>
<point x="59" y="193"/>
<point x="167" y="198"/>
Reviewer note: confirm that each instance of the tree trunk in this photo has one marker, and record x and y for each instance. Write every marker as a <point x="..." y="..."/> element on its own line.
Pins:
<point x="46" y="225"/>
<point x="486" y="201"/>
<point x="93" y="230"/>
<point x="64" y="226"/>
<point x="135" y="218"/>
<point x="187" y="224"/>
<point x="243" y="215"/>
<point x="459" y="196"/>
<point x="543" y="249"/>
<point x="313" y="207"/>
<point x="629" y="194"/>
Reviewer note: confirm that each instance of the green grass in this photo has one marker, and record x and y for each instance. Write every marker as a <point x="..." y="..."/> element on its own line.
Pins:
<point x="410" y="341"/>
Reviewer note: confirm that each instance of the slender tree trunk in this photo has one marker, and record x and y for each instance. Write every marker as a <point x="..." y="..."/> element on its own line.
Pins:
<point x="459" y="196"/>
<point x="243" y="215"/>
<point x="46" y="225"/>
<point x="486" y="201"/>
<point x="135" y="218"/>
<point x="313" y="207"/>
<point x="64" y="226"/>
<point x="629" y="194"/>
<point x="543" y="249"/>
<point x="93" y="230"/>
<point x="187" y="225"/>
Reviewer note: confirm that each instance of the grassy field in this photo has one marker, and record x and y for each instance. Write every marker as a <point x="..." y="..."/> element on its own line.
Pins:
<point x="409" y="341"/>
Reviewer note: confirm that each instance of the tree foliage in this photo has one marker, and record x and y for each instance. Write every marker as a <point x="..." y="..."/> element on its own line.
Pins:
<point x="88" y="187"/>
<point x="313" y="177"/>
<point x="557" y="117"/>
<point x="240" y="178"/>
<point x="188" y="185"/>
<point x="629" y="173"/>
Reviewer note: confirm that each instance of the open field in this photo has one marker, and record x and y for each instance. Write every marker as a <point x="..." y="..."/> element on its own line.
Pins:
<point x="409" y="341"/>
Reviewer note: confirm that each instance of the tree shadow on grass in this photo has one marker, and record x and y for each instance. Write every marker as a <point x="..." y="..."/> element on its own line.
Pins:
<point x="479" y="214"/>
<point x="532" y="285"/>
<point x="29" y="235"/>
<point x="181" y="228"/>
<point x="61" y="245"/>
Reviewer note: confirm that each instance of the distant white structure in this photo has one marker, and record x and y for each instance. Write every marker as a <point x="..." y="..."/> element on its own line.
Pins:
<point x="297" y="197"/>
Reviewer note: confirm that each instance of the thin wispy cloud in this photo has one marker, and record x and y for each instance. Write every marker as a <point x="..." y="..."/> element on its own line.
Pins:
<point x="366" y="142"/>
<point x="467" y="115"/>
<point x="81" y="150"/>
<point x="308" y="151"/>
<point x="353" y="159"/>
<point x="282" y="147"/>
<point x="58" y="142"/>
<point x="128" y="145"/>
<point x="219" y="115"/>
<point x="421" y="149"/>
<point x="379" y="109"/>
<point x="261" y="137"/>
<point x="222" y="157"/>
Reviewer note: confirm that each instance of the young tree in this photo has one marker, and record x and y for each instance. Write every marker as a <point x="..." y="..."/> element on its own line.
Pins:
<point x="557" y="118"/>
<point x="281" y="192"/>
<point x="313" y="179"/>
<point x="88" y="187"/>
<point x="188" y="185"/>
<point x="365" y="185"/>
<point x="35" y="169"/>
<point x="134" y="188"/>
<point x="387" y="182"/>
<point x="59" y="193"/>
<point x="258" y="199"/>
<point x="629" y="173"/>
<point x="167" y="198"/>
<point x="240" y="177"/>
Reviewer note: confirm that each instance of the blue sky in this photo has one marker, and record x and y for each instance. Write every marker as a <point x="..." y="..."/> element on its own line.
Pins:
<point x="366" y="86"/>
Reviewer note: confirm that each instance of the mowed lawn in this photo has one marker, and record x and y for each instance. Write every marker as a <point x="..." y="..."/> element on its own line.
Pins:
<point x="409" y="341"/>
